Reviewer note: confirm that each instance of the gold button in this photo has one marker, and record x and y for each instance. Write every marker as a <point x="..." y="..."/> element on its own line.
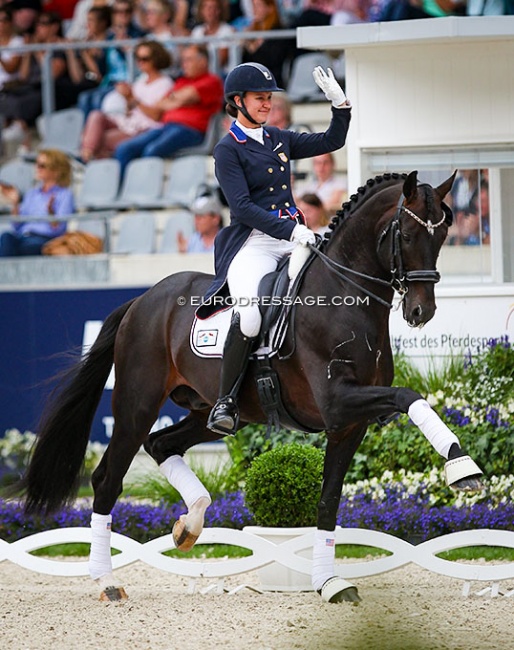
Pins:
<point x="282" y="168"/>
<point x="287" y="204"/>
<point x="271" y="189"/>
<point x="284" y="187"/>
<point x="273" y="207"/>
<point x="270" y="170"/>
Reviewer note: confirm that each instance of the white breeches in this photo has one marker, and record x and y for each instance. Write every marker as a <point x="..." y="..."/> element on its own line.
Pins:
<point x="259" y="255"/>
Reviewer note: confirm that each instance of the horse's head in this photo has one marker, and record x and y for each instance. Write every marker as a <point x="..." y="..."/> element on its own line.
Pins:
<point x="415" y="235"/>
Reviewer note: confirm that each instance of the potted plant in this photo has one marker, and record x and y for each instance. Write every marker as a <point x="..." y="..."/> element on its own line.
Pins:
<point x="282" y="490"/>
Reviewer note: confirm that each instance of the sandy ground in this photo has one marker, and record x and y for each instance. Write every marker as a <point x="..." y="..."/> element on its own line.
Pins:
<point x="406" y="609"/>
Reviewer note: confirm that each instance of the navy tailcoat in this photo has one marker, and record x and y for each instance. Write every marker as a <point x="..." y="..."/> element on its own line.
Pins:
<point x="256" y="181"/>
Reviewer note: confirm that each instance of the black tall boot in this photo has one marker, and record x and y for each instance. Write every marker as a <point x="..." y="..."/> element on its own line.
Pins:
<point x="224" y="417"/>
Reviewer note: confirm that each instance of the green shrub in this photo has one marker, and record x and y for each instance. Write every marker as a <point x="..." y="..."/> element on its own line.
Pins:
<point x="283" y="486"/>
<point x="253" y="440"/>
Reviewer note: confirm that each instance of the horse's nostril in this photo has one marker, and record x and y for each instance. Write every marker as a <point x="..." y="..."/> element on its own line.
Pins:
<point x="417" y="312"/>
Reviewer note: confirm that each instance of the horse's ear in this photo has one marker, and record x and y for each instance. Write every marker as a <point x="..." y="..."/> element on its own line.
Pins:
<point x="410" y="186"/>
<point x="445" y="187"/>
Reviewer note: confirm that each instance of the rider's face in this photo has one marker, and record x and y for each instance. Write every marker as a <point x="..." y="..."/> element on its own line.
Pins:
<point x="258" y="106"/>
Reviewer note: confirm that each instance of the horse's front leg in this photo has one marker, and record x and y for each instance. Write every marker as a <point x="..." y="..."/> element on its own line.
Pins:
<point x="338" y="456"/>
<point x="355" y="403"/>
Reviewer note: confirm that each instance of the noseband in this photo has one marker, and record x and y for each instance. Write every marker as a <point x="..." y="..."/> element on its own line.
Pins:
<point x="399" y="277"/>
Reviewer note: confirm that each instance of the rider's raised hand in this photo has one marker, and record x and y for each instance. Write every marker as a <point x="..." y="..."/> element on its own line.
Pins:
<point x="302" y="235"/>
<point x="329" y="85"/>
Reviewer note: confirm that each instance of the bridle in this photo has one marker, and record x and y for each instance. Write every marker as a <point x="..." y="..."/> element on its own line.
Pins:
<point x="399" y="277"/>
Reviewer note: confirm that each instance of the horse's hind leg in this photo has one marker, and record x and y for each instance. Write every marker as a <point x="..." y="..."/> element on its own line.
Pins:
<point x="167" y="448"/>
<point x="136" y="403"/>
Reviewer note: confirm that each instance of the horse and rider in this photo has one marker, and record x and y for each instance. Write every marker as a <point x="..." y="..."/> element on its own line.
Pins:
<point x="338" y="376"/>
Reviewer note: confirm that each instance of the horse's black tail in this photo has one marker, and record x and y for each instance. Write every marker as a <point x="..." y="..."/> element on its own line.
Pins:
<point x="53" y="474"/>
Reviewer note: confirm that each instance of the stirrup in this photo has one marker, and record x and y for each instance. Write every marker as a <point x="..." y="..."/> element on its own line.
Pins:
<point x="224" y="417"/>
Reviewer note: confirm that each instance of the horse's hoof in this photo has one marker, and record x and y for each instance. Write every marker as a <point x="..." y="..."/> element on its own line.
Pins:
<point x="471" y="484"/>
<point x="113" y="594"/>
<point x="337" y="590"/>
<point x="463" y="473"/>
<point x="183" y="538"/>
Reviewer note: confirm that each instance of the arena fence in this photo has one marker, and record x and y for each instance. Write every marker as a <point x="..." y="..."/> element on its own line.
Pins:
<point x="286" y="554"/>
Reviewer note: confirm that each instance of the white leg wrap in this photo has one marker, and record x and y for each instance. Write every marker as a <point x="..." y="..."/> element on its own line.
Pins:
<point x="100" y="563"/>
<point x="323" y="555"/>
<point x="184" y="480"/>
<point x="435" y="430"/>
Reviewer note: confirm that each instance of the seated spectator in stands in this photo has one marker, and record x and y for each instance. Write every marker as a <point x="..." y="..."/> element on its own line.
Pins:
<point x="348" y="12"/>
<point x="280" y="112"/>
<point x="316" y="217"/>
<point x="9" y="61"/>
<point x="64" y="8"/>
<point x="25" y="15"/>
<point x="77" y="30"/>
<point x="464" y="199"/>
<point x="273" y="53"/>
<point x="185" y="112"/>
<point x="52" y="196"/>
<point x="208" y="223"/>
<point x="163" y="21"/>
<point x="211" y="17"/>
<point x="414" y="9"/>
<point x="116" y="63"/>
<point x="86" y="67"/>
<point x="104" y="132"/>
<point x="22" y="104"/>
<point x="324" y="182"/>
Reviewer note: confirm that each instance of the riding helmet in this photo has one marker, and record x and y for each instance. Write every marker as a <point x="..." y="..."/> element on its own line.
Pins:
<point x="249" y="77"/>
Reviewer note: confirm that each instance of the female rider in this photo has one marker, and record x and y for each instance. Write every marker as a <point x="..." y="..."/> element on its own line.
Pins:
<point x="252" y="165"/>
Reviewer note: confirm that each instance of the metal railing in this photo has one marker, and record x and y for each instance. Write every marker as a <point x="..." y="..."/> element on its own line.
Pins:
<point x="232" y="41"/>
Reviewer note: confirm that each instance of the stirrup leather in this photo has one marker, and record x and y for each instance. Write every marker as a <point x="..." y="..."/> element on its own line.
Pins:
<point x="224" y="417"/>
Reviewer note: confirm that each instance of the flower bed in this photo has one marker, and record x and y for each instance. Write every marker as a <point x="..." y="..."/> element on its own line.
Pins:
<point x="415" y="507"/>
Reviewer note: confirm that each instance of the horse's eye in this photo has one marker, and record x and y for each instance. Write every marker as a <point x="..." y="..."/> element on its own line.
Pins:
<point x="406" y="237"/>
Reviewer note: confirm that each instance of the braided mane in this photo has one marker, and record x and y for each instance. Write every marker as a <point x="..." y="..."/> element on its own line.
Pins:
<point x="362" y="194"/>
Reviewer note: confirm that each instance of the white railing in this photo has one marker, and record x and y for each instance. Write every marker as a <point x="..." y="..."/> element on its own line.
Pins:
<point x="264" y="552"/>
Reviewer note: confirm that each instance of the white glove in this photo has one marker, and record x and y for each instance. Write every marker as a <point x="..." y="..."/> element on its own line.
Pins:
<point x="302" y="235"/>
<point x="328" y="84"/>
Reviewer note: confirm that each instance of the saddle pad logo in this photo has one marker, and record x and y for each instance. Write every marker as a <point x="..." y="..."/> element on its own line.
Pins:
<point x="206" y="338"/>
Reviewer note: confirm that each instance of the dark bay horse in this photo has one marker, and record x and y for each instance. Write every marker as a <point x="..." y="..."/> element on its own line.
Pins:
<point x="387" y="237"/>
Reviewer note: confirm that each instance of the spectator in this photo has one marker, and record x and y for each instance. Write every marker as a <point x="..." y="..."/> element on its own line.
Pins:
<point x="316" y="217"/>
<point x="484" y="207"/>
<point x="347" y="12"/>
<point x="162" y="23"/>
<point x="86" y="67"/>
<point x="52" y="197"/>
<point x="77" y="30"/>
<point x="64" y="8"/>
<point x="9" y="61"/>
<point x="272" y="53"/>
<point x="185" y="112"/>
<point x="102" y="132"/>
<point x="25" y="15"/>
<point x="121" y="28"/>
<point x="211" y="17"/>
<point x="465" y="197"/>
<point x="208" y="222"/>
<point x="22" y="104"/>
<point x="330" y="188"/>
<point x="280" y="112"/>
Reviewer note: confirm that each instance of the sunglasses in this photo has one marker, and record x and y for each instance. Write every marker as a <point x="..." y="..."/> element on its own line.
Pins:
<point x="41" y="165"/>
<point x="143" y="58"/>
<point x="44" y="22"/>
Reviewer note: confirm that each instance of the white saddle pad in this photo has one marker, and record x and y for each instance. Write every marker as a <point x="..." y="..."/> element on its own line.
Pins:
<point x="207" y="337"/>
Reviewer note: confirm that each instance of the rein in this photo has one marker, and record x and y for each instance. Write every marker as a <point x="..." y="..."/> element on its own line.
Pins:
<point x="399" y="277"/>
